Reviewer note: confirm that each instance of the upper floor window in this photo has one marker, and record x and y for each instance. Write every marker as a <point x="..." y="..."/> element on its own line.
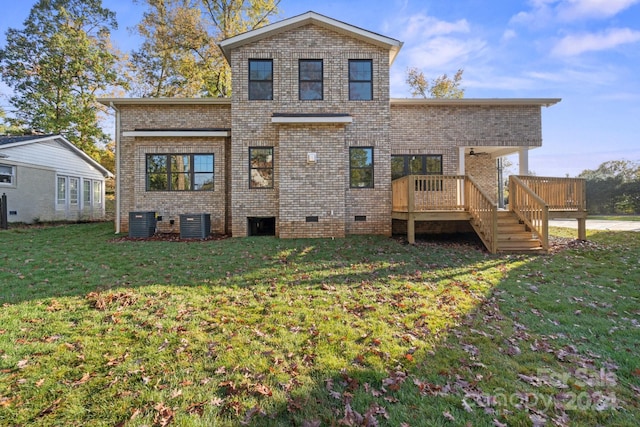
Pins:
<point x="310" y="80"/>
<point x="261" y="167"/>
<point x="179" y="172"/>
<point x="430" y="164"/>
<point x="260" y="79"/>
<point x="7" y="174"/>
<point x="360" y="79"/>
<point x="361" y="167"/>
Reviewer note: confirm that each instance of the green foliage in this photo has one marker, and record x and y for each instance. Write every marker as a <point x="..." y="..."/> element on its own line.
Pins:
<point x="179" y="55"/>
<point x="440" y="87"/>
<point x="57" y="64"/>
<point x="358" y="331"/>
<point x="613" y="188"/>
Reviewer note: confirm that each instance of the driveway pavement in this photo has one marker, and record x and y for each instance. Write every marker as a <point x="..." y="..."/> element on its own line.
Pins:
<point x="598" y="224"/>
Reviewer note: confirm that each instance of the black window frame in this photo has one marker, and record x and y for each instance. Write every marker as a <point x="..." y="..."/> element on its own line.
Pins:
<point x="424" y="160"/>
<point x="271" y="168"/>
<point x="302" y="80"/>
<point x="352" y="169"/>
<point x="253" y="94"/>
<point x="353" y="80"/>
<point x="192" y="172"/>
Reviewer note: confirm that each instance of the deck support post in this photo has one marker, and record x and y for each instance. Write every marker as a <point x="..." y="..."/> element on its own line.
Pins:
<point x="411" y="229"/>
<point x="582" y="228"/>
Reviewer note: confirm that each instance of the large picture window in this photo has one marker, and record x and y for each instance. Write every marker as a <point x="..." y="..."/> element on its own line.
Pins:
<point x="310" y="80"/>
<point x="179" y="172"/>
<point x="361" y="167"/>
<point x="430" y="164"/>
<point x="260" y="79"/>
<point x="7" y="174"/>
<point x="261" y="167"/>
<point x="360" y="79"/>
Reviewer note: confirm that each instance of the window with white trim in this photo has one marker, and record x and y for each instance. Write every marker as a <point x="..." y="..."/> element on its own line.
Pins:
<point x="7" y="175"/>
<point x="97" y="192"/>
<point x="61" y="190"/>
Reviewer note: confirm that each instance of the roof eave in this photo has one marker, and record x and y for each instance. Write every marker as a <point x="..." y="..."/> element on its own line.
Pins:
<point x="164" y="101"/>
<point x="542" y="102"/>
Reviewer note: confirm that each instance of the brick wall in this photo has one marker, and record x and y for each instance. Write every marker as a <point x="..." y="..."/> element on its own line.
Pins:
<point x="170" y="204"/>
<point x="320" y="189"/>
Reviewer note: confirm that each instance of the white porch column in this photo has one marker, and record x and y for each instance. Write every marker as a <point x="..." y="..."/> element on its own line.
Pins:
<point x="523" y="158"/>
<point x="461" y="169"/>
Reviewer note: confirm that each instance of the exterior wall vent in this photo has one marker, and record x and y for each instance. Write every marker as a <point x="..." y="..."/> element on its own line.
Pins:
<point x="142" y="224"/>
<point x="195" y="226"/>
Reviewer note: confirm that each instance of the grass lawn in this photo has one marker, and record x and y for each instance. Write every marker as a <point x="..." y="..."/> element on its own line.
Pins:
<point x="616" y="217"/>
<point x="357" y="331"/>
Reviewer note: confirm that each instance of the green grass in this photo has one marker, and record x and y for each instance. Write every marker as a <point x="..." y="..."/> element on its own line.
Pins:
<point x="616" y="217"/>
<point x="356" y="331"/>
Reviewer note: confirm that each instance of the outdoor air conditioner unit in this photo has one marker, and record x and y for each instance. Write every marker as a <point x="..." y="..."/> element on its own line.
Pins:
<point x="195" y="226"/>
<point x="142" y="224"/>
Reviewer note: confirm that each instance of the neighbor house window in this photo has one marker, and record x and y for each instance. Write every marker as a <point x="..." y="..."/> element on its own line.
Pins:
<point x="7" y="174"/>
<point x="416" y="165"/>
<point x="310" y="79"/>
<point x="261" y="167"/>
<point x="360" y="79"/>
<point x="179" y="172"/>
<point x="86" y="192"/>
<point x="260" y="79"/>
<point x="97" y="192"/>
<point x="361" y="167"/>
<point x="74" y="190"/>
<point x="61" y="190"/>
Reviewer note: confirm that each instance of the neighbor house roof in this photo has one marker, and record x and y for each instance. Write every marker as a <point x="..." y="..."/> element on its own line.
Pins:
<point x="15" y="141"/>
<point x="314" y="18"/>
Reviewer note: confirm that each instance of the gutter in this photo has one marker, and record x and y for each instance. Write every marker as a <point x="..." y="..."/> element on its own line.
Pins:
<point x="117" y="166"/>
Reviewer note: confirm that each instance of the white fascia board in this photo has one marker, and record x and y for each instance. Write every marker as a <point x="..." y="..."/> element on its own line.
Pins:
<point x="312" y="120"/>
<point x="177" y="133"/>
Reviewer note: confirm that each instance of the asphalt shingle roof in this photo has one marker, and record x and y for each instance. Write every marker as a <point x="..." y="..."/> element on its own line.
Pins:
<point x="10" y="139"/>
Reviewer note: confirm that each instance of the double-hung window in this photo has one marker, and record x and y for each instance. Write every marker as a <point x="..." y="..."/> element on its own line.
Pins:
<point x="7" y="174"/>
<point x="360" y="79"/>
<point x="310" y="79"/>
<point x="361" y="167"/>
<point x="261" y="167"/>
<point x="260" y="79"/>
<point x="179" y="172"/>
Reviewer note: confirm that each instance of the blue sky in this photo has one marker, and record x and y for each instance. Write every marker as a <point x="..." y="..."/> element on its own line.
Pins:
<point x="586" y="52"/>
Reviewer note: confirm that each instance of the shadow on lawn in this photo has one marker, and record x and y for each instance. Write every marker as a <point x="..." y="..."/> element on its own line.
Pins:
<point x="455" y="374"/>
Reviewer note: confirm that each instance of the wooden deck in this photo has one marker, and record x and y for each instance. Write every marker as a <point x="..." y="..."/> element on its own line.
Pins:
<point x="523" y="227"/>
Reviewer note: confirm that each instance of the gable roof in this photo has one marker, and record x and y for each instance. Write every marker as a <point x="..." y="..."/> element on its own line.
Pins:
<point x="16" y="141"/>
<point x="314" y="18"/>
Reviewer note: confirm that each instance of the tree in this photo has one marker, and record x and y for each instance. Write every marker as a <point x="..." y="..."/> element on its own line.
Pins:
<point x="440" y="87"/>
<point x="614" y="187"/>
<point x="180" y="56"/>
<point x="58" y="64"/>
<point x="9" y="126"/>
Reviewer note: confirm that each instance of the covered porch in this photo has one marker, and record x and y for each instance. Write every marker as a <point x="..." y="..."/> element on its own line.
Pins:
<point x="522" y="226"/>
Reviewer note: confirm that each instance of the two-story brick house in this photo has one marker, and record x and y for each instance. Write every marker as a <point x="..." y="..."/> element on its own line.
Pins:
<point x="310" y="140"/>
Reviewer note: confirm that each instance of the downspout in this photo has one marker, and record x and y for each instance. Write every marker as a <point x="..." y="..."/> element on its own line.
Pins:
<point x="117" y="166"/>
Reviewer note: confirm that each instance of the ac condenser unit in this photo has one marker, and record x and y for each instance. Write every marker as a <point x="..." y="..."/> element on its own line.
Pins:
<point x="142" y="224"/>
<point x="195" y="226"/>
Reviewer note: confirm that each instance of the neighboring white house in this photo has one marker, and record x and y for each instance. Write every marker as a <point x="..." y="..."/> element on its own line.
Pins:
<point x="47" y="178"/>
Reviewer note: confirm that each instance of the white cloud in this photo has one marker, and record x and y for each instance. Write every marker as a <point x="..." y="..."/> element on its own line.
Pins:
<point x="571" y="10"/>
<point x="509" y="34"/>
<point x="446" y="53"/>
<point x="420" y="26"/>
<point x="575" y="44"/>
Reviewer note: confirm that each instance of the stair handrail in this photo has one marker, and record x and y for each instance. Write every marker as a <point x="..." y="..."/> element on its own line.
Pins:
<point x="484" y="213"/>
<point x="530" y="209"/>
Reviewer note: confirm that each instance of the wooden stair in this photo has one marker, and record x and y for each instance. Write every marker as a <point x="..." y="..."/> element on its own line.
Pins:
<point x="514" y="236"/>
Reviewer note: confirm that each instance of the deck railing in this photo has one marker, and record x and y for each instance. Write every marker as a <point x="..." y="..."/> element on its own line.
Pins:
<point x="560" y="194"/>
<point x="530" y="208"/>
<point x="424" y="193"/>
<point x="484" y="213"/>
